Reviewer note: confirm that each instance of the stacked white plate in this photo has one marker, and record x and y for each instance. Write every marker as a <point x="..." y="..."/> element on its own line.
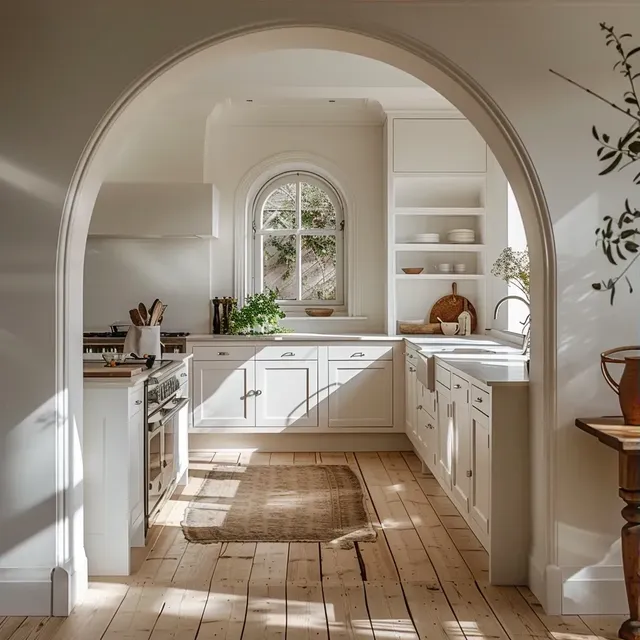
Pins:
<point x="462" y="236"/>
<point x="426" y="237"/>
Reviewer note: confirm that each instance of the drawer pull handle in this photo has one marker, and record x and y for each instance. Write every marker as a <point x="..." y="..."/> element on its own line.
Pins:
<point x="457" y="386"/>
<point x="412" y="370"/>
<point x="183" y="375"/>
<point x="419" y="407"/>
<point x="469" y="473"/>
<point x="357" y="355"/>
<point x="138" y="401"/>
<point x="429" y="425"/>
<point x="258" y="392"/>
<point x="478" y="399"/>
<point x="288" y="354"/>
<point x="223" y="353"/>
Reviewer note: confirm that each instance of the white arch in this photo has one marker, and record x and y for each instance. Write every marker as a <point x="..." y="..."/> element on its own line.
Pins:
<point x="413" y="57"/>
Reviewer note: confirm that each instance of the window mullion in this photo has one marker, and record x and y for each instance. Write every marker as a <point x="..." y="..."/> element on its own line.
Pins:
<point x="299" y="237"/>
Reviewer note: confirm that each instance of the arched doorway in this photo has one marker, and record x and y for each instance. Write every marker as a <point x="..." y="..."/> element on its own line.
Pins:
<point x="410" y="56"/>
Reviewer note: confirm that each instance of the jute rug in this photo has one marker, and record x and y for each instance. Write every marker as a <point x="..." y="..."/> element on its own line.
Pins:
<point x="315" y="503"/>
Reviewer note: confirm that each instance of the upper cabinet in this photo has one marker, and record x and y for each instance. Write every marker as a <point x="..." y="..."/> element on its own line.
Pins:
<point x="437" y="146"/>
<point x="149" y="209"/>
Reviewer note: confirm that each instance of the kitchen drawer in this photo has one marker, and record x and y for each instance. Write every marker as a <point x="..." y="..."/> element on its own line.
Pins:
<point x="443" y="376"/>
<point x="480" y="399"/>
<point x="182" y="374"/>
<point x="136" y="399"/>
<point x="360" y="352"/>
<point x="222" y="352"/>
<point x="411" y="355"/>
<point x="291" y="352"/>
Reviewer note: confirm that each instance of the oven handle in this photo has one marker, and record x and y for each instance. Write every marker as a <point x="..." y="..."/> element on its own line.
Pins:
<point x="183" y="403"/>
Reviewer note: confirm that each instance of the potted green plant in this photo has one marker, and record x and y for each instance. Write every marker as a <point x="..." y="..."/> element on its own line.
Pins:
<point x="514" y="268"/>
<point x="260" y="315"/>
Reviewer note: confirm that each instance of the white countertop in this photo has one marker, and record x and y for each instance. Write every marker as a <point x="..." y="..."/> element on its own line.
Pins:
<point x="293" y="337"/>
<point x="491" y="370"/>
<point x="93" y="383"/>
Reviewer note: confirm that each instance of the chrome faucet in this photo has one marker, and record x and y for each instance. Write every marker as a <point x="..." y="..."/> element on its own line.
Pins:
<point x="526" y="325"/>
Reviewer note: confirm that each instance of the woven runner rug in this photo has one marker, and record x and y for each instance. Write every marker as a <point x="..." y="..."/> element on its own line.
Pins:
<point x="288" y="503"/>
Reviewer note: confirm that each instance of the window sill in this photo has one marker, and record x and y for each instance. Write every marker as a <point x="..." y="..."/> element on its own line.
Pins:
<point x="333" y="318"/>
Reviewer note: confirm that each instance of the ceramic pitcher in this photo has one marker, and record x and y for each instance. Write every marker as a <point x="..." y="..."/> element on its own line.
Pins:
<point x="628" y="389"/>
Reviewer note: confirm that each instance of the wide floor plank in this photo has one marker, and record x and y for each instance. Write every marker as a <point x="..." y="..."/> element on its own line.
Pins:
<point x="425" y="576"/>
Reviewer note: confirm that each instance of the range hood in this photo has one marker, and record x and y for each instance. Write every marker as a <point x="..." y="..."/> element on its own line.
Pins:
<point x="156" y="210"/>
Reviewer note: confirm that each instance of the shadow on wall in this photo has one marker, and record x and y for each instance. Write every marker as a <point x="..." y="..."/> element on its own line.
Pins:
<point x="591" y="518"/>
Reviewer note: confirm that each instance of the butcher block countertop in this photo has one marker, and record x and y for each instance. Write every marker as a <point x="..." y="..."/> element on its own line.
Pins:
<point x="176" y="360"/>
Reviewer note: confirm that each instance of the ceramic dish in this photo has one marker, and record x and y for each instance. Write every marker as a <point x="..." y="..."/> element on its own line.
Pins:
<point x="318" y="312"/>
<point x="413" y="270"/>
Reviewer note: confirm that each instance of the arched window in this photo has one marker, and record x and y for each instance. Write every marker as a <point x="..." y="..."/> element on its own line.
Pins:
<point x="298" y="237"/>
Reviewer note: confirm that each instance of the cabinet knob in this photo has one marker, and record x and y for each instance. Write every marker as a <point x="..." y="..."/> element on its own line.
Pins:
<point x="138" y="401"/>
<point x="419" y="407"/>
<point x="412" y="370"/>
<point x="223" y="353"/>
<point x="150" y="486"/>
<point x="478" y="399"/>
<point x="183" y="375"/>
<point x="429" y="425"/>
<point x="457" y="386"/>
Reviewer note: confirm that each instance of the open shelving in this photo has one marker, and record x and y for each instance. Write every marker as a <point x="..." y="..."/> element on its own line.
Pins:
<point x="434" y="201"/>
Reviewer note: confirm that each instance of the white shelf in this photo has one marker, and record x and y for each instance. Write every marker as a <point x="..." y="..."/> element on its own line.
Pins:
<point x="403" y="175"/>
<point x="435" y="247"/>
<point x="439" y="211"/>
<point x="439" y="276"/>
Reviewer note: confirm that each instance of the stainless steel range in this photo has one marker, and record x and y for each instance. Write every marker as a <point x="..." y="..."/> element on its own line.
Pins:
<point x="166" y="402"/>
<point x="113" y="341"/>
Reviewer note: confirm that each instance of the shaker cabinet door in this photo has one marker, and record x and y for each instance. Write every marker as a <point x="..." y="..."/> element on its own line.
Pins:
<point x="223" y="394"/>
<point x="480" y="502"/>
<point x="361" y="394"/>
<point x="286" y="394"/>
<point x="461" y="471"/>
<point x="445" y="435"/>
<point x="410" y="398"/>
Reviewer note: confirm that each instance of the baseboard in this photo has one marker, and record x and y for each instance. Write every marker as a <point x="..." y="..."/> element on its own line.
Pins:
<point x="598" y="590"/>
<point x="25" y="592"/>
<point x="301" y="441"/>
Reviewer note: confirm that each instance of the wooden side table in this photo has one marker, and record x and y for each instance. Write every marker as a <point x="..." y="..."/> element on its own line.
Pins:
<point x="626" y="440"/>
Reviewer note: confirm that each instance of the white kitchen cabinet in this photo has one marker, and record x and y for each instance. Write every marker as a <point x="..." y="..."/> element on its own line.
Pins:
<point x="137" y="433"/>
<point x="461" y="458"/>
<point x="482" y="445"/>
<point x="445" y="435"/>
<point x="428" y="427"/>
<point x="223" y="393"/>
<point x="410" y="397"/>
<point x="286" y="393"/>
<point x="479" y="503"/>
<point x="437" y="145"/>
<point x="361" y="393"/>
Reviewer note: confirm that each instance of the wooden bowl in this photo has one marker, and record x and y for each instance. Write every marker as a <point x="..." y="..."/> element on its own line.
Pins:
<point x="318" y="312"/>
<point x="413" y="270"/>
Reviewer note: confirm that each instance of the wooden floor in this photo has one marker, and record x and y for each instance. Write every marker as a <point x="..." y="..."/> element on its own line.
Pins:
<point x="425" y="577"/>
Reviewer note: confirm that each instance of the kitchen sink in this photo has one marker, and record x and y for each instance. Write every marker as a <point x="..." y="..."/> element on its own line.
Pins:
<point x="471" y="350"/>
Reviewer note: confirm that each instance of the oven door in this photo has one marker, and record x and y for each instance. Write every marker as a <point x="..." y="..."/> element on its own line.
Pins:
<point x="155" y="468"/>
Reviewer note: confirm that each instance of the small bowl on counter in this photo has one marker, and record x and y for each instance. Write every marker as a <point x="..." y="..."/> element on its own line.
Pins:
<point x="318" y="312"/>
<point x="114" y="359"/>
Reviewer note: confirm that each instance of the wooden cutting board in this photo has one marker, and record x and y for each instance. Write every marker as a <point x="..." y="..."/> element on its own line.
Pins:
<point x="98" y="370"/>
<point x="418" y="329"/>
<point x="448" y="308"/>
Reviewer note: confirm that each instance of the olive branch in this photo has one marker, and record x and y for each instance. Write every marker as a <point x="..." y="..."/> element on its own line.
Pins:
<point x="618" y="238"/>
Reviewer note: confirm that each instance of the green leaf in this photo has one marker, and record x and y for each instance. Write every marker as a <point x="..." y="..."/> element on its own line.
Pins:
<point x="612" y="166"/>
<point x="606" y="137"/>
<point x="594" y="133"/>
<point x="608" y="155"/>
<point x="628" y="233"/>
<point x="631" y="247"/>
<point x="597" y="286"/>
<point x="613" y="293"/>
<point x="633" y="52"/>
<point x="629" y="283"/>
<point x="634" y="147"/>
<point x="631" y="100"/>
